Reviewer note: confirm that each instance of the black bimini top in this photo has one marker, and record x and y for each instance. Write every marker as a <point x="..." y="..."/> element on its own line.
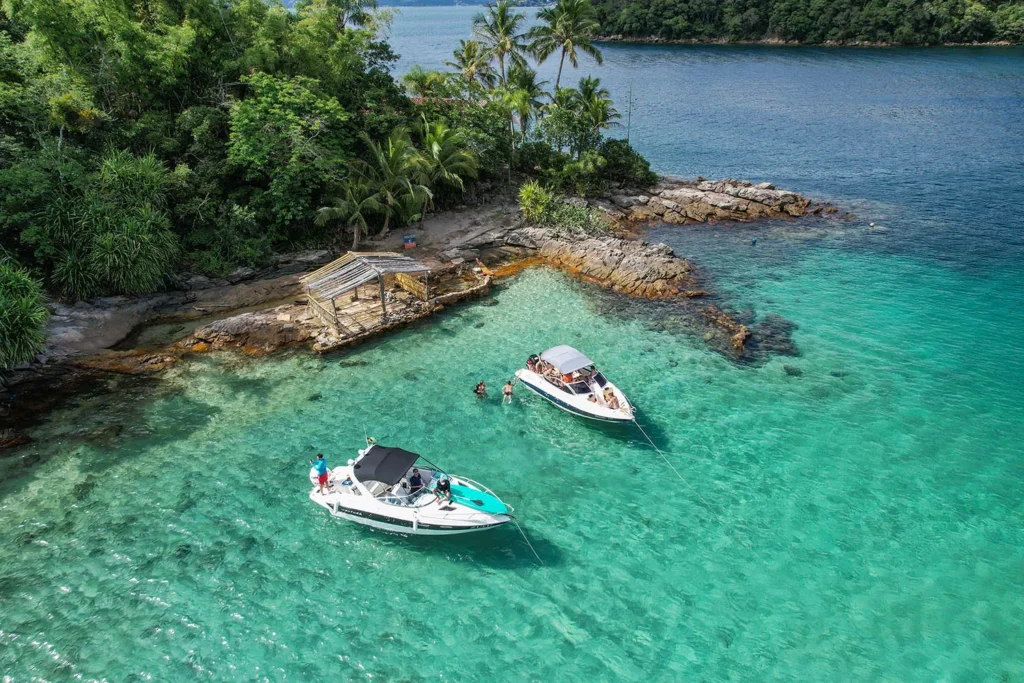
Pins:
<point x="383" y="464"/>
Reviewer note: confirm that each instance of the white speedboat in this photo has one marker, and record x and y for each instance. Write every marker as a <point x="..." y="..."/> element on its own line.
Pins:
<point x="569" y="379"/>
<point x="374" y="490"/>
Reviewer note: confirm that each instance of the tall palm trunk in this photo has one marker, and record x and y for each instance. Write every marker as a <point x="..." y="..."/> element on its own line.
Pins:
<point x="501" y="63"/>
<point x="355" y="236"/>
<point x="561" y="63"/>
<point x="384" y="231"/>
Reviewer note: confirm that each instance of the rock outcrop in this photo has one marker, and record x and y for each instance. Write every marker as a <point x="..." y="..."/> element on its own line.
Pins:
<point x="703" y="201"/>
<point x="632" y="267"/>
<point x="257" y="331"/>
<point x="651" y="271"/>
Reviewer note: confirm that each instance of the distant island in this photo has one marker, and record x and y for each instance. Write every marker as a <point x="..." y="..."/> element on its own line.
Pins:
<point x="841" y="22"/>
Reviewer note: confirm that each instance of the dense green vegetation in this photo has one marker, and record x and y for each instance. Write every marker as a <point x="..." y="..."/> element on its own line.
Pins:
<point x="907" y="22"/>
<point x="139" y="138"/>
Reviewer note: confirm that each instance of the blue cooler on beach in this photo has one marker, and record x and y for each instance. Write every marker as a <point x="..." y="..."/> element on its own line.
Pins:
<point x="409" y="241"/>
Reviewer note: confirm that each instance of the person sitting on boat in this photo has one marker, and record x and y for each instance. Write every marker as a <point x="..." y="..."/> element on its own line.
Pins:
<point x="321" y="471"/>
<point x="480" y="389"/>
<point x="611" y="399"/>
<point x="415" y="482"/>
<point x="443" y="490"/>
<point x="531" y="363"/>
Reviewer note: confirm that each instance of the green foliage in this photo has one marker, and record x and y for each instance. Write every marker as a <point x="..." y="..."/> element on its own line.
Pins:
<point x="500" y="29"/>
<point x="570" y="219"/>
<point x="534" y="201"/>
<point x="448" y="160"/>
<point x="584" y="176"/>
<point x="253" y="111"/>
<point x="567" y="28"/>
<point x="292" y="140"/>
<point x="473" y="62"/>
<point x="541" y="207"/>
<point x="423" y="83"/>
<point x="484" y="124"/>
<point x="537" y="157"/>
<point x="907" y="22"/>
<point x="394" y="169"/>
<point x="625" y="166"/>
<point x="356" y="200"/>
<point x="22" y="315"/>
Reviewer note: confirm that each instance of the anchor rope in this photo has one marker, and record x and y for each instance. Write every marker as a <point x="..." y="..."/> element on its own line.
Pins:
<point x="523" y="533"/>
<point x="708" y="505"/>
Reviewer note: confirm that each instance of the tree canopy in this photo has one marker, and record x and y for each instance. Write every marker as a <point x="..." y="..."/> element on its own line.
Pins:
<point x="906" y="22"/>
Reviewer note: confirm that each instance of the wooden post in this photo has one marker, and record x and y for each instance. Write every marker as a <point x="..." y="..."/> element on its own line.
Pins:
<point x="426" y="286"/>
<point x="334" y="307"/>
<point x="383" y="307"/>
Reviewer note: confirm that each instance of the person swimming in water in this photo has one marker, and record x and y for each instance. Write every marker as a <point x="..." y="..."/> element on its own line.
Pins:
<point x="506" y="393"/>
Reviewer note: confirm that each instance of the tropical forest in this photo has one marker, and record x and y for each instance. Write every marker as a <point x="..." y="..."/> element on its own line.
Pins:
<point x="142" y="138"/>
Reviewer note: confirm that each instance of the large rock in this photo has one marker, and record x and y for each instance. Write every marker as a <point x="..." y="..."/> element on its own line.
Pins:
<point x="257" y="331"/>
<point x="702" y="201"/>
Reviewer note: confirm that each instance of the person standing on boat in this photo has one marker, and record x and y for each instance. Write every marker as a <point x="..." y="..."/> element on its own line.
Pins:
<point x="506" y="393"/>
<point x="321" y="471"/>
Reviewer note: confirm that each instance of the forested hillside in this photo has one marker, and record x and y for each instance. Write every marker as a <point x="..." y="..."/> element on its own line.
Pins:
<point x="140" y="139"/>
<point x="907" y="22"/>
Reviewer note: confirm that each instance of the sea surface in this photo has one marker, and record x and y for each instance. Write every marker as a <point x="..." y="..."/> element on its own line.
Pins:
<point x="853" y="512"/>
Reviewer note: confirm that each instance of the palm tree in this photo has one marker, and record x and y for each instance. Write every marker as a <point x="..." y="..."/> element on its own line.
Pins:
<point x="500" y="31"/>
<point x="568" y="26"/>
<point x="473" y="61"/>
<point x="596" y="104"/>
<point x="422" y="83"/>
<point x="357" y="200"/>
<point x="527" y="94"/>
<point x="447" y="156"/>
<point x="392" y="171"/>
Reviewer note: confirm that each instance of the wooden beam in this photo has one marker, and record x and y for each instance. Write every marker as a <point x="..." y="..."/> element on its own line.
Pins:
<point x="383" y="307"/>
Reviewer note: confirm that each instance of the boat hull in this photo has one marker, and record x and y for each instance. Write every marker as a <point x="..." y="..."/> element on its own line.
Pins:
<point x="409" y="525"/>
<point x="573" y="405"/>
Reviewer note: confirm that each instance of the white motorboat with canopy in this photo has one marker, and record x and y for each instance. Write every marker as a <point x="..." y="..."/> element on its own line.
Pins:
<point x="374" y="490"/>
<point x="567" y="378"/>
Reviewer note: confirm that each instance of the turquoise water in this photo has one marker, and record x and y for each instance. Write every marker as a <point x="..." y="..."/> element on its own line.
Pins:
<point x="866" y="515"/>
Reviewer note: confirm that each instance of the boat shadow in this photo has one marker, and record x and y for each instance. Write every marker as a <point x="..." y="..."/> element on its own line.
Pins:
<point x="498" y="549"/>
<point x="627" y="431"/>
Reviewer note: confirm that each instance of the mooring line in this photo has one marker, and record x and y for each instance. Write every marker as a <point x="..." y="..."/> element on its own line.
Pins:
<point x="527" y="540"/>
<point x="693" y="490"/>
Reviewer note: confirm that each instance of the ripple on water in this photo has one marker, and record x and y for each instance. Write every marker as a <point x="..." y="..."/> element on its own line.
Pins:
<point x="863" y="523"/>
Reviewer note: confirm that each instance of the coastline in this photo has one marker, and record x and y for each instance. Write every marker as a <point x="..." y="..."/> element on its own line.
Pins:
<point x="781" y="42"/>
<point x="259" y="313"/>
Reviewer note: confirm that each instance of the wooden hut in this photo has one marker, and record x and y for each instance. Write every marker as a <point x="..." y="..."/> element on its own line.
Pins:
<point x="351" y="293"/>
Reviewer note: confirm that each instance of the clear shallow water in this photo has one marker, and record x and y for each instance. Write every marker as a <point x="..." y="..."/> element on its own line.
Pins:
<point x="867" y="516"/>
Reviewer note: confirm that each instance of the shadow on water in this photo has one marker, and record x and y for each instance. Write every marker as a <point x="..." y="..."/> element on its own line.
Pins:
<point x="502" y="548"/>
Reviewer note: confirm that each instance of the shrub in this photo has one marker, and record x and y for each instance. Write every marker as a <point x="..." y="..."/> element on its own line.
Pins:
<point x="573" y="220"/>
<point x="538" y="156"/>
<point x="535" y="202"/>
<point x="625" y="165"/>
<point x="584" y="177"/>
<point x="22" y="315"/>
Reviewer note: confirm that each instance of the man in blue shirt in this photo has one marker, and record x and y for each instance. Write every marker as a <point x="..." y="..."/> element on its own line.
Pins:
<point x="321" y="470"/>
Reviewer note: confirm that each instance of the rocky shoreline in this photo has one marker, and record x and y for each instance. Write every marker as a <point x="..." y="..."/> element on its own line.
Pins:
<point x="260" y="312"/>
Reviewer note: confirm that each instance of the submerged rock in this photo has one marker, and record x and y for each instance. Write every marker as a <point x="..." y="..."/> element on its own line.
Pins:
<point x="792" y="370"/>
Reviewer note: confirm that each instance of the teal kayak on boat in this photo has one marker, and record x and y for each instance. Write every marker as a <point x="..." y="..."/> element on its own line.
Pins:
<point x="478" y="500"/>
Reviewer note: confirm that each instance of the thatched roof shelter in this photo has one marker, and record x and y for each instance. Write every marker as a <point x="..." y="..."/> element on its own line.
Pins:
<point x="346" y="274"/>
